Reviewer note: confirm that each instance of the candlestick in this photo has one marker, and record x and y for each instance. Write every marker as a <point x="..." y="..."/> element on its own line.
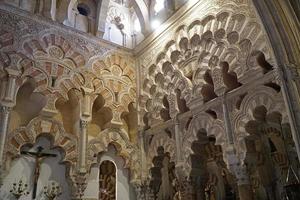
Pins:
<point x="19" y="189"/>
<point x="52" y="191"/>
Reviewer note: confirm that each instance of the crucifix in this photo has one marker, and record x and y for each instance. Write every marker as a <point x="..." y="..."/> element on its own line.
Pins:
<point x="39" y="155"/>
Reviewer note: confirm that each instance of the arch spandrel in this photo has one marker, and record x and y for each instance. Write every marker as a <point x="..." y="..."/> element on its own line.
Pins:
<point x="54" y="64"/>
<point x="233" y="39"/>
<point x="128" y="151"/>
<point x="114" y="79"/>
<point x="189" y="67"/>
<point x="42" y="126"/>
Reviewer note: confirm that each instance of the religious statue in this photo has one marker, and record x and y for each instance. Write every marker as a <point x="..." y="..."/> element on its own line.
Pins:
<point x="38" y="156"/>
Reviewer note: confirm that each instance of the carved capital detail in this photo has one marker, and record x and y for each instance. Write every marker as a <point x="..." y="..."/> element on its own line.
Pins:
<point x="5" y="109"/>
<point x="83" y="124"/>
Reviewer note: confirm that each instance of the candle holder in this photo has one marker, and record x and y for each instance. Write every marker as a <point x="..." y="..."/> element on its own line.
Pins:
<point x="52" y="191"/>
<point x="19" y="189"/>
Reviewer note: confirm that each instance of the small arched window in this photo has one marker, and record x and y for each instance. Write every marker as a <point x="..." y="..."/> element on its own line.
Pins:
<point x="83" y="9"/>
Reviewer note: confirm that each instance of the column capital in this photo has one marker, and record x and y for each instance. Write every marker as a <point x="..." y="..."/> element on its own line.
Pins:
<point x="12" y="72"/>
<point x="84" y="123"/>
<point x="176" y="120"/>
<point x="5" y="109"/>
<point x="86" y="103"/>
<point x="87" y="90"/>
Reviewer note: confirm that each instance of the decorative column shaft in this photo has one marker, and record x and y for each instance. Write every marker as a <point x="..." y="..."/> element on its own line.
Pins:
<point x="7" y="103"/>
<point x="288" y="92"/>
<point x="85" y="117"/>
<point x="178" y="140"/>
<point x="82" y="145"/>
<point x="227" y="121"/>
<point x="5" y="115"/>
<point x="144" y="173"/>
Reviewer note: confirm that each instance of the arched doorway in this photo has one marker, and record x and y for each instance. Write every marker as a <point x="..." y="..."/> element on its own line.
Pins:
<point x="107" y="181"/>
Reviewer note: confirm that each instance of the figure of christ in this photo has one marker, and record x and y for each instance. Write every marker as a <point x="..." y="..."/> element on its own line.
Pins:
<point x="39" y="156"/>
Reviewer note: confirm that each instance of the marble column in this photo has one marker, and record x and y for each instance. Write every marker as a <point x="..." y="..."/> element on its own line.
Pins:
<point x="178" y="140"/>
<point x="292" y="105"/>
<point x="144" y="169"/>
<point x="83" y="146"/>
<point x="227" y="122"/>
<point x="85" y="117"/>
<point x="7" y="103"/>
<point x="5" y="115"/>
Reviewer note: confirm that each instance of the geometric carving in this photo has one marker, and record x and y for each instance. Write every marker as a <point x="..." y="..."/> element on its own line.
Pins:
<point x="39" y="126"/>
<point x="129" y="152"/>
<point x="114" y="79"/>
<point x="198" y="49"/>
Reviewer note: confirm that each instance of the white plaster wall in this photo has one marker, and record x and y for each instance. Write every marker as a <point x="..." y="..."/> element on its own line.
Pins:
<point x="51" y="170"/>
<point x="92" y="188"/>
<point x="82" y="23"/>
